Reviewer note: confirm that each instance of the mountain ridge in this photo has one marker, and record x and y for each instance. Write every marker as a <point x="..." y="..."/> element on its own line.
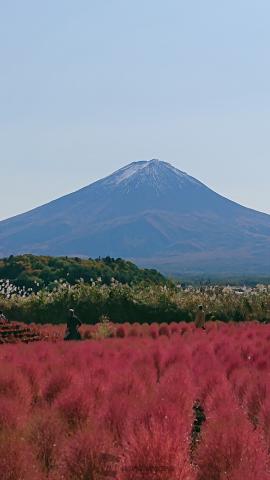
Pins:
<point x="149" y="212"/>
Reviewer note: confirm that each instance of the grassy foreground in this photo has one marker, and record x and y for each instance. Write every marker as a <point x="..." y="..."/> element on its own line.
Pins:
<point x="196" y="407"/>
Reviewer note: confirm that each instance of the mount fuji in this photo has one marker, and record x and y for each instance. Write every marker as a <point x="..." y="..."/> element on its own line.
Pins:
<point x="149" y="212"/>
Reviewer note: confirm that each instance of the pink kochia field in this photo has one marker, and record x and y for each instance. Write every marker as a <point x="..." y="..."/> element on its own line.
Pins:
<point x="183" y="405"/>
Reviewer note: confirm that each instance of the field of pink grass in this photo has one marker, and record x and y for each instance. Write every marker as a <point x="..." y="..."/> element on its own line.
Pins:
<point x="123" y="408"/>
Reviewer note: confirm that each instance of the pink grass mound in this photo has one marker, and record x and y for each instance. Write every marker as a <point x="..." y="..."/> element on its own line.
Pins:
<point x="180" y="404"/>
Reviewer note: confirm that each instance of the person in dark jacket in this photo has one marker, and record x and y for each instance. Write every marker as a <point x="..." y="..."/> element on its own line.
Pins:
<point x="73" y="324"/>
<point x="199" y="419"/>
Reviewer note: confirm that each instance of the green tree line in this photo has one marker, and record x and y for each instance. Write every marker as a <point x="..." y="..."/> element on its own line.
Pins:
<point x="37" y="272"/>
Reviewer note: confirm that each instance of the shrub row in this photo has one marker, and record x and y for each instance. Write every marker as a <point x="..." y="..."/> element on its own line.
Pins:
<point x="123" y="303"/>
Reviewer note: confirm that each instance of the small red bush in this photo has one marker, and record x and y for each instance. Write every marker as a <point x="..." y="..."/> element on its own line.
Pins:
<point x="45" y="435"/>
<point x="120" y="332"/>
<point x="164" y="330"/>
<point x="58" y="382"/>
<point x="73" y="407"/>
<point x="133" y="332"/>
<point x="87" y="456"/>
<point x="17" y="461"/>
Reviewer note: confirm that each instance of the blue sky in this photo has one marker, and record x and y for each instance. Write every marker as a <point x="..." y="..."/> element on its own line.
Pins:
<point x="89" y="86"/>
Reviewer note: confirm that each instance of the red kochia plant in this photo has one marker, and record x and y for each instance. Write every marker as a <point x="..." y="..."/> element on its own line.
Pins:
<point x="153" y="332"/>
<point x="164" y="330"/>
<point x="11" y="414"/>
<point x="12" y="383"/>
<point x="229" y="449"/>
<point x="45" y="436"/>
<point x="73" y="408"/>
<point x="133" y="332"/>
<point x="58" y="382"/>
<point x="264" y="421"/>
<point x="87" y="334"/>
<point x="155" y="452"/>
<point x="124" y="407"/>
<point x="88" y="455"/>
<point x="120" y="332"/>
<point x="16" y="459"/>
<point x="113" y="419"/>
<point x="174" y="328"/>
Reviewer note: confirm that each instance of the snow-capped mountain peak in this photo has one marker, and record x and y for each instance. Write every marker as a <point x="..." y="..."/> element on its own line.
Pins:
<point x="155" y="172"/>
<point x="125" y="173"/>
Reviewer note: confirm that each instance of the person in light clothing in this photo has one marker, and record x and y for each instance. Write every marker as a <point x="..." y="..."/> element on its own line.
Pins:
<point x="200" y="318"/>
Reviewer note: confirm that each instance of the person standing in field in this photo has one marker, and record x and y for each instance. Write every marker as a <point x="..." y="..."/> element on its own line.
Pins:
<point x="73" y="324"/>
<point x="200" y="318"/>
<point x="3" y="318"/>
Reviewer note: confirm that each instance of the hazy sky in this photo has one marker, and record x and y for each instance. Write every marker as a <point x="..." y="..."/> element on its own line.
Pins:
<point x="88" y="86"/>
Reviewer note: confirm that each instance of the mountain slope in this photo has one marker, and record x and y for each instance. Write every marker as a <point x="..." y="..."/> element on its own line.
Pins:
<point x="149" y="212"/>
